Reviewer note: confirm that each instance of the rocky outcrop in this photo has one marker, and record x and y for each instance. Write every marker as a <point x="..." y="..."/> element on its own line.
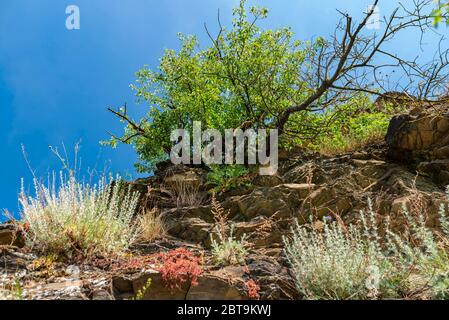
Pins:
<point x="315" y="187"/>
<point x="422" y="134"/>
<point x="411" y="169"/>
<point x="10" y="235"/>
<point x="421" y="138"/>
<point x="209" y="287"/>
<point x="226" y="283"/>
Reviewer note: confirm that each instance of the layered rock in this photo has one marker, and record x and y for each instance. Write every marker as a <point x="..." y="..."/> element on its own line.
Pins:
<point x="421" y="138"/>
<point x="307" y="186"/>
<point x="226" y="283"/>
<point x="311" y="188"/>
<point x="10" y="235"/>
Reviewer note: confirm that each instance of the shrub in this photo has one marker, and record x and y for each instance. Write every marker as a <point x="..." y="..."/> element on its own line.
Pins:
<point x="226" y="250"/>
<point x="207" y="83"/>
<point x="342" y="143"/>
<point x="353" y="126"/>
<point x="223" y="178"/>
<point x="342" y="262"/>
<point x="424" y="250"/>
<point x="151" y="226"/>
<point x="179" y="266"/>
<point x="248" y="77"/>
<point x="78" y="218"/>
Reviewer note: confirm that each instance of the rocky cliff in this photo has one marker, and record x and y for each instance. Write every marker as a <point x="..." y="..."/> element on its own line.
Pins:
<point x="413" y="163"/>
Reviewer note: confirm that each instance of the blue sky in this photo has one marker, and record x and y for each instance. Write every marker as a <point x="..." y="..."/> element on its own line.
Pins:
<point x="55" y="84"/>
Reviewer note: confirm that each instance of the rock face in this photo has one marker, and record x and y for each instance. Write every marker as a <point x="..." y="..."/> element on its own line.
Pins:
<point x="412" y="167"/>
<point x="227" y="283"/>
<point x="11" y="236"/>
<point x="422" y="139"/>
<point x="209" y="287"/>
<point x="314" y="187"/>
<point x="419" y="135"/>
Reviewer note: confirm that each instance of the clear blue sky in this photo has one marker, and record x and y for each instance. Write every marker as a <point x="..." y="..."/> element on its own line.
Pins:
<point x="55" y="84"/>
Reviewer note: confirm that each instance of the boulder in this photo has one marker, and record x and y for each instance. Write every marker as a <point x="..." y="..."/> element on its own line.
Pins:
<point x="191" y="229"/>
<point x="437" y="170"/>
<point x="420" y="135"/>
<point x="267" y="181"/>
<point x="227" y="283"/>
<point x="209" y="287"/>
<point x="190" y="179"/>
<point x="10" y="235"/>
<point x="281" y="201"/>
<point x="274" y="279"/>
<point x="127" y="287"/>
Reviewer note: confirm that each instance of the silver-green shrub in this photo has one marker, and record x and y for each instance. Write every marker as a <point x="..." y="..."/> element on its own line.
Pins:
<point x="340" y="262"/>
<point x="227" y="250"/>
<point x="79" y="218"/>
<point x="424" y="250"/>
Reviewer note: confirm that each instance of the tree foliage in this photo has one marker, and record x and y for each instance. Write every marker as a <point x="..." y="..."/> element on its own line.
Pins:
<point x="253" y="78"/>
<point x="441" y="12"/>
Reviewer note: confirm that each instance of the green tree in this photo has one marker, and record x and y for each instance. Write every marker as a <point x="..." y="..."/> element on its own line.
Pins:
<point x="254" y="78"/>
<point x="246" y="78"/>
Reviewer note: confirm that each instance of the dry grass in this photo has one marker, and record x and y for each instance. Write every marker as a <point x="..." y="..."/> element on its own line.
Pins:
<point x="220" y="217"/>
<point x="185" y="194"/>
<point x="151" y="226"/>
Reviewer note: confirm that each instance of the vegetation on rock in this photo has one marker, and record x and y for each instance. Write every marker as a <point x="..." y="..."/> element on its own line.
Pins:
<point x="226" y="250"/>
<point x="353" y="262"/>
<point x="169" y="232"/>
<point x="180" y="266"/>
<point x="78" y="218"/>
<point x="151" y="226"/>
<point x="224" y="178"/>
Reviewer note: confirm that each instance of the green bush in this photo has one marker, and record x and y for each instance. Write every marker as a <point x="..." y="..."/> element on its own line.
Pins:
<point x="224" y="178"/>
<point x="248" y="77"/>
<point x="222" y="85"/>
<point x="338" y="261"/>
<point x="350" y="125"/>
<point x="356" y="132"/>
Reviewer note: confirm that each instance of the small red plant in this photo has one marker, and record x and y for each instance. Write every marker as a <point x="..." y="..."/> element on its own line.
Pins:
<point x="252" y="289"/>
<point x="179" y="266"/>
